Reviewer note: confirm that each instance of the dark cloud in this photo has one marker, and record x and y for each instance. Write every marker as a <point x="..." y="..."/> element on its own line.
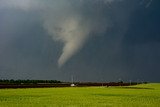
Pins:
<point x="144" y="25"/>
<point x="120" y="39"/>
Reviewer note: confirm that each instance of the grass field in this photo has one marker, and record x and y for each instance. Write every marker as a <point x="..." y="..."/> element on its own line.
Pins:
<point x="145" y="95"/>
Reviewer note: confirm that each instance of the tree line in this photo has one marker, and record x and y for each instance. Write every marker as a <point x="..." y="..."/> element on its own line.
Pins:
<point x="12" y="81"/>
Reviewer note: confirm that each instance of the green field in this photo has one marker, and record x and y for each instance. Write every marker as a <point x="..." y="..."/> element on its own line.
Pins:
<point x="145" y="95"/>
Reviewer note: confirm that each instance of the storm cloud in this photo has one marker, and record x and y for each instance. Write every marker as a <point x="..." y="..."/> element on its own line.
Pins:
<point x="102" y="34"/>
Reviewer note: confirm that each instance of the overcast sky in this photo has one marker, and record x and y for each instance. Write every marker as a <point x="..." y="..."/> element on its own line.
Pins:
<point x="93" y="40"/>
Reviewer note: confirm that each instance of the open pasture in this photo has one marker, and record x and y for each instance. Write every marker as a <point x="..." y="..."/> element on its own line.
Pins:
<point x="144" y="95"/>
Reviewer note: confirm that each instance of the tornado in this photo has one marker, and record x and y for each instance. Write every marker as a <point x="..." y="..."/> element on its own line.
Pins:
<point x="71" y="32"/>
<point x="69" y="22"/>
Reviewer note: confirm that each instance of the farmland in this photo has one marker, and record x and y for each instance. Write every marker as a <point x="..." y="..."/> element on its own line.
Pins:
<point x="144" y="95"/>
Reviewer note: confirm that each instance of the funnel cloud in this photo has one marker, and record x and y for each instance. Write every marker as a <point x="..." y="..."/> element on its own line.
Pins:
<point x="72" y="28"/>
<point x="71" y="32"/>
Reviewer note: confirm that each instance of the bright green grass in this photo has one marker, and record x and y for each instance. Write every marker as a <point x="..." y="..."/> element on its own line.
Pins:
<point x="82" y="97"/>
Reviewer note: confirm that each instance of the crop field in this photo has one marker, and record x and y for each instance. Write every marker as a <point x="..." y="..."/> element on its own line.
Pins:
<point x="144" y="95"/>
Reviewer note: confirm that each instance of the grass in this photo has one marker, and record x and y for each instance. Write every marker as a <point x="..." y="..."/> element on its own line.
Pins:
<point x="145" y="95"/>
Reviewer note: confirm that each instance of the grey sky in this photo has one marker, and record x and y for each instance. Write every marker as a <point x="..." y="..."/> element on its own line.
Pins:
<point x="94" y="40"/>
